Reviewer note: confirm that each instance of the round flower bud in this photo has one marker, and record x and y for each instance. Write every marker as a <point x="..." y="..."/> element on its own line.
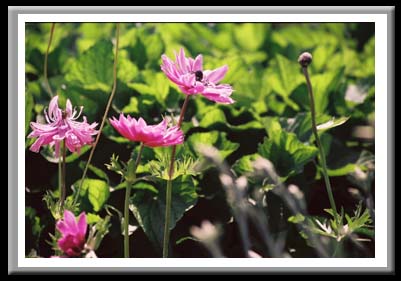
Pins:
<point x="305" y="59"/>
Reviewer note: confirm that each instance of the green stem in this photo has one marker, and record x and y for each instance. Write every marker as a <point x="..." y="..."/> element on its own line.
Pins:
<point x="49" y="90"/>
<point x="169" y="190"/>
<point x="113" y="91"/>
<point x="126" y="203"/>
<point x="167" y="218"/>
<point x="60" y="176"/>
<point x="63" y="188"/>
<point x="319" y="145"/>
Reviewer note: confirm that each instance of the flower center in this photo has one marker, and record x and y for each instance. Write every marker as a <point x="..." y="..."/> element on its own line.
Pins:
<point x="198" y="75"/>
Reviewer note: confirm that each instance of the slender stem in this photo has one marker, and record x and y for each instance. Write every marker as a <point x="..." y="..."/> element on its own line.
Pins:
<point x="319" y="145"/>
<point x="169" y="189"/>
<point x="167" y="218"/>
<point x="49" y="90"/>
<point x="126" y="204"/>
<point x="63" y="188"/>
<point x="113" y="91"/>
<point x="60" y="176"/>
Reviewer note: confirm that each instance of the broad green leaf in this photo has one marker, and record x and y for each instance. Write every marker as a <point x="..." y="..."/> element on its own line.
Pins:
<point x="245" y="164"/>
<point x="96" y="192"/>
<point x="286" y="152"/>
<point x="92" y="218"/>
<point x="155" y="84"/>
<point x="323" y="85"/>
<point x="249" y="36"/>
<point x="149" y="209"/>
<point x="154" y="46"/>
<point x="215" y="139"/>
<point x="93" y="70"/>
<point x="213" y="116"/>
<point x="286" y="79"/>
<point x="126" y="71"/>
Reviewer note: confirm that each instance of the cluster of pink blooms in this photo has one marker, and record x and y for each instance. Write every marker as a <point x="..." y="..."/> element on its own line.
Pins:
<point x="61" y="125"/>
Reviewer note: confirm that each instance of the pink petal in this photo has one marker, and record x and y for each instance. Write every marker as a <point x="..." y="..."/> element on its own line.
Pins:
<point x="69" y="219"/>
<point x="82" y="225"/>
<point x="53" y="106"/>
<point x="198" y="64"/>
<point x="182" y="61"/>
<point x="216" y="75"/>
<point x="68" y="108"/>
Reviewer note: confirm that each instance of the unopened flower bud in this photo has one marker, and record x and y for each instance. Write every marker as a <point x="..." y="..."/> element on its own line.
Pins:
<point x="305" y="59"/>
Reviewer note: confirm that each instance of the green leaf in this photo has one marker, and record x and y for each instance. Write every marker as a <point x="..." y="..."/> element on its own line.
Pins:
<point x="132" y="106"/>
<point x="92" y="218"/>
<point x="323" y="85"/>
<point x="155" y="85"/>
<point x="126" y="71"/>
<point x="154" y="46"/>
<point x="213" y="116"/>
<point x="286" y="152"/>
<point x="245" y="164"/>
<point x="249" y="36"/>
<point x="287" y="76"/>
<point x="98" y="172"/>
<point x="28" y="110"/>
<point x="214" y="138"/>
<point x="48" y="154"/>
<point x="297" y="218"/>
<point x="149" y="209"/>
<point x="96" y="192"/>
<point x="93" y="70"/>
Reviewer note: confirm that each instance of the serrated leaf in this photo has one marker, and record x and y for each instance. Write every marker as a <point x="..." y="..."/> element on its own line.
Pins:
<point x="149" y="208"/>
<point x="93" y="70"/>
<point x="286" y="152"/>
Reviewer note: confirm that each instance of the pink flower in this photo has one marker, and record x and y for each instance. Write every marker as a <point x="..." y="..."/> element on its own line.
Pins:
<point x="150" y="135"/>
<point x="73" y="233"/>
<point x="190" y="77"/>
<point x="62" y="125"/>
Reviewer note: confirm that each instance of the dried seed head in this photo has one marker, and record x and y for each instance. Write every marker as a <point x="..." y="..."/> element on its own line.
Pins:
<point x="305" y="59"/>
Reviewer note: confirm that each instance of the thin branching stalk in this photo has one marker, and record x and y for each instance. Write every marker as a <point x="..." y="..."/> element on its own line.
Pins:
<point x="49" y="90"/>
<point x="126" y="203"/>
<point x="113" y="91"/>
<point x="169" y="190"/>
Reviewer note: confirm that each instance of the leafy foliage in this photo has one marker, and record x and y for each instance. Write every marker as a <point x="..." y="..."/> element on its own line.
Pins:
<point x="270" y="119"/>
